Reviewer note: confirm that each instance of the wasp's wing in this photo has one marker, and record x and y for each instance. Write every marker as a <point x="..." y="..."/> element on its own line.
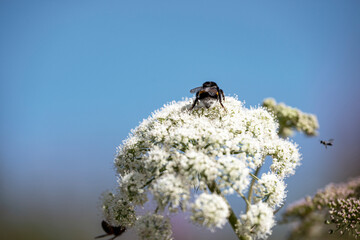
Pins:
<point x="331" y="140"/>
<point x="212" y="92"/>
<point x="194" y="90"/>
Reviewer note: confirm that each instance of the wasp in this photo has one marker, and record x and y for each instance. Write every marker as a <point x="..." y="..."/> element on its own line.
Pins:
<point x="208" y="94"/>
<point x="327" y="143"/>
<point x="110" y="230"/>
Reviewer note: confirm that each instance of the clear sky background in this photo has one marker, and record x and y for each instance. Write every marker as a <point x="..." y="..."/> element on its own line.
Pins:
<point x="76" y="76"/>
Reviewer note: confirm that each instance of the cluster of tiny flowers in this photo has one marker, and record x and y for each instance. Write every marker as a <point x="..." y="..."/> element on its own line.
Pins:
<point x="177" y="149"/>
<point x="285" y="156"/>
<point x="291" y="118"/>
<point x="169" y="189"/>
<point x="257" y="222"/>
<point x="117" y="211"/>
<point x="271" y="190"/>
<point x="131" y="186"/>
<point x="337" y="204"/>
<point x="210" y="210"/>
<point x="234" y="174"/>
<point x="153" y="226"/>
<point x="345" y="214"/>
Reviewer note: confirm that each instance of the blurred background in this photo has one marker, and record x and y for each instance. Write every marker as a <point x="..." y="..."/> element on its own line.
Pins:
<point x="76" y="76"/>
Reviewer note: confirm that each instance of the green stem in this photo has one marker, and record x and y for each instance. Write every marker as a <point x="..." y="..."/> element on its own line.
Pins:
<point x="255" y="177"/>
<point x="232" y="217"/>
<point x="251" y="188"/>
<point x="243" y="197"/>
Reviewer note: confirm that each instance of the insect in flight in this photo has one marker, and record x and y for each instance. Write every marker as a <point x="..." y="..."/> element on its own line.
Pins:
<point x="208" y="94"/>
<point x="110" y="230"/>
<point x="327" y="143"/>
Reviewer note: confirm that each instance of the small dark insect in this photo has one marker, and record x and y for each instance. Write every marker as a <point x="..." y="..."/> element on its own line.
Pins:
<point x="327" y="143"/>
<point x="110" y="230"/>
<point x="208" y="94"/>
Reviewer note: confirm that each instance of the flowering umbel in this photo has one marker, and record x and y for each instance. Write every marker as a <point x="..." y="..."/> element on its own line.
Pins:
<point x="338" y="205"/>
<point x="191" y="160"/>
<point x="291" y="119"/>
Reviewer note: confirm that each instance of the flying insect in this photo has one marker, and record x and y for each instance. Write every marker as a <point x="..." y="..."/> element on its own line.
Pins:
<point x="110" y="230"/>
<point x="327" y="143"/>
<point x="208" y="94"/>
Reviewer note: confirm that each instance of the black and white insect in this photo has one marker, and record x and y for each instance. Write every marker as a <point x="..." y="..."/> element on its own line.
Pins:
<point x="327" y="143"/>
<point x="208" y="94"/>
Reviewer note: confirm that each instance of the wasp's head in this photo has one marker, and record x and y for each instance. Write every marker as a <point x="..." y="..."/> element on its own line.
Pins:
<point x="209" y="84"/>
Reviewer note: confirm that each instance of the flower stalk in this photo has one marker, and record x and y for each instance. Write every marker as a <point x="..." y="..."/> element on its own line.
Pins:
<point x="250" y="193"/>
<point x="232" y="219"/>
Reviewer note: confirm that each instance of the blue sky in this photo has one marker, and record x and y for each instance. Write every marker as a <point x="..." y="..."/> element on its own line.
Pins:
<point x="76" y="76"/>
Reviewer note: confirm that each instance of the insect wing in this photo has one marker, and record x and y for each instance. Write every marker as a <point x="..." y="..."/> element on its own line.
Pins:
<point x="331" y="140"/>
<point x="212" y="92"/>
<point x="194" y="90"/>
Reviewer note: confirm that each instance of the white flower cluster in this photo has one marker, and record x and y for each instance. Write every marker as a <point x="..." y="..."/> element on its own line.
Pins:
<point x="257" y="222"/>
<point x="234" y="173"/>
<point x="210" y="210"/>
<point x="153" y="226"/>
<point x="131" y="187"/>
<point x="291" y="118"/>
<point x="176" y="149"/>
<point x="285" y="155"/>
<point x="117" y="211"/>
<point x="270" y="189"/>
<point x="169" y="190"/>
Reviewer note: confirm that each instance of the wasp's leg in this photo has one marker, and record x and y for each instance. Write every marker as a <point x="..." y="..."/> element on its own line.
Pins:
<point x="222" y="104"/>
<point x="195" y="101"/>
<point x="223" y="107"/>
<point x="222" y="94"/>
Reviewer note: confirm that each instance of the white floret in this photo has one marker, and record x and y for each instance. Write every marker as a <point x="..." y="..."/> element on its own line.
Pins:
<point x="210" y="210"/>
